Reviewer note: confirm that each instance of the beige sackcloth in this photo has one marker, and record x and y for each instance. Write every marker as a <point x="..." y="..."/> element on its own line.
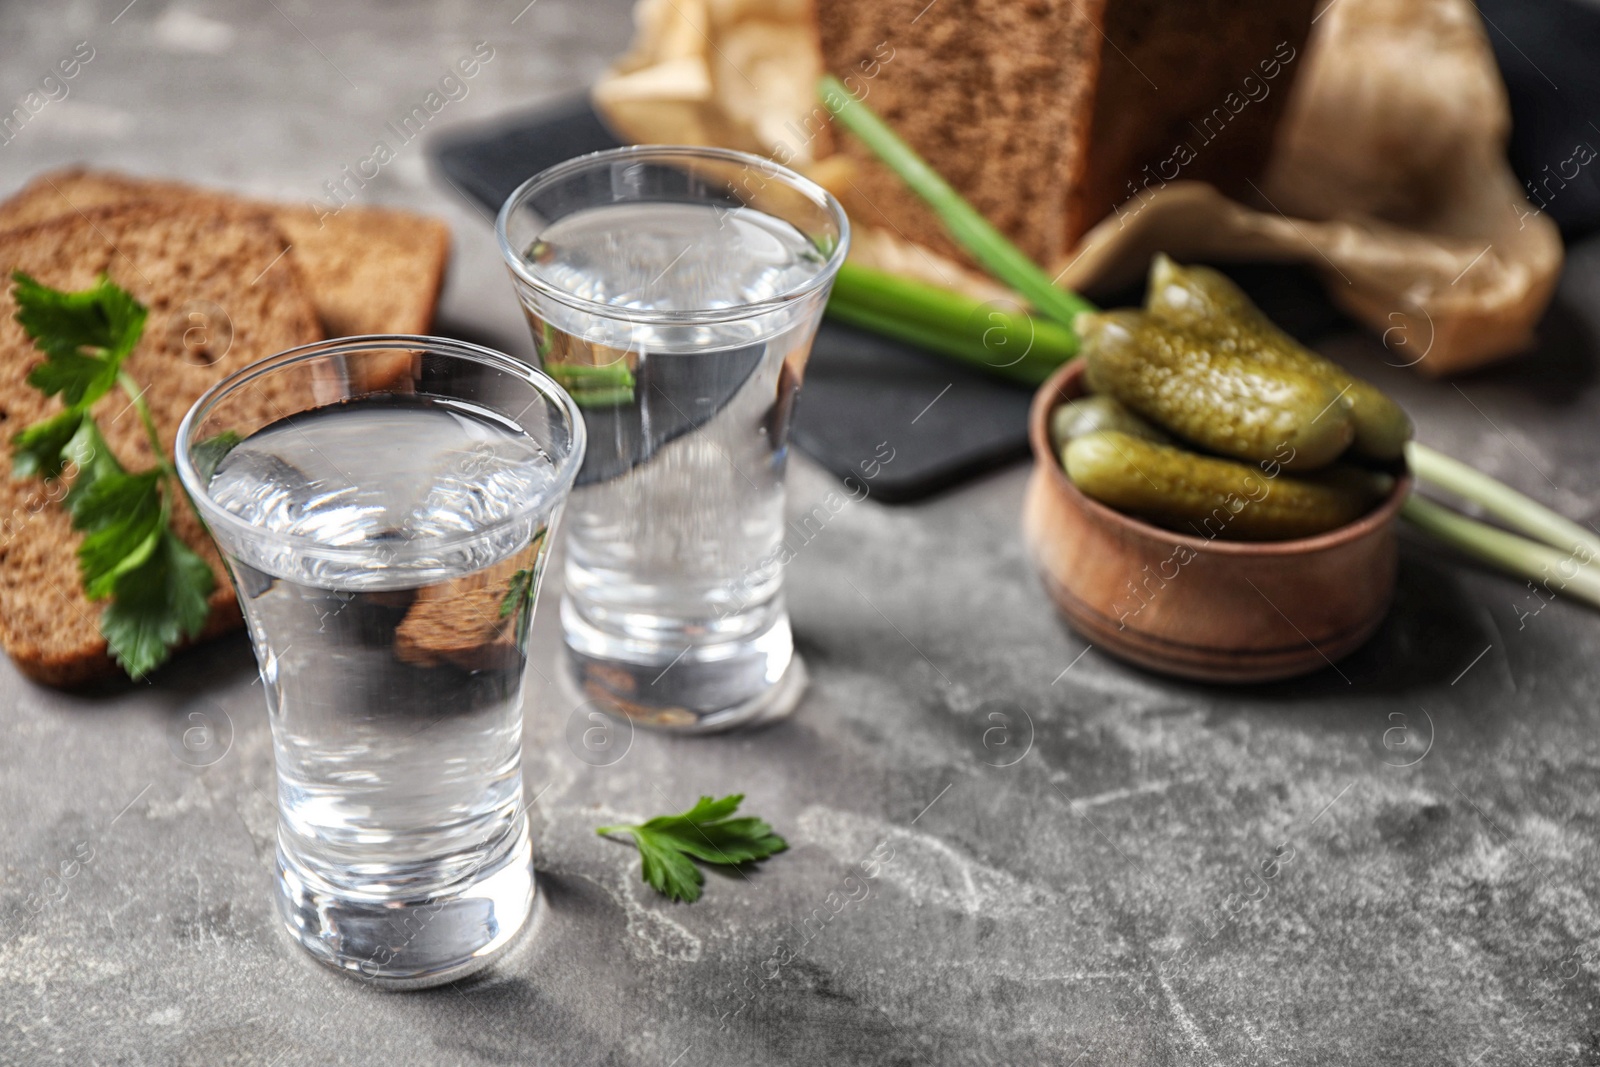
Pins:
<point x="1388" y="175"/>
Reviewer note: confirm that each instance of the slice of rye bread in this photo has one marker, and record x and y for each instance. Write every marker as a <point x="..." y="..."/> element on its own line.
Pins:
<point x="1048" y="115"/>
<point x="369" y="270"/>
<point x="995" y="94"/>
<point x="170" y="259"/>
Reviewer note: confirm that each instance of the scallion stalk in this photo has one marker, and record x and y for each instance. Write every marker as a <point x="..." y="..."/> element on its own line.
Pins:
<point x="1516" y="555"/>
<point x="611" y="373"/>
<point x="589" y="376"/>
<point x="1004" y="341"/>
<point x="1500" y="500"/>
<point x="914" y="333"/>
<point x="594" y="386"/>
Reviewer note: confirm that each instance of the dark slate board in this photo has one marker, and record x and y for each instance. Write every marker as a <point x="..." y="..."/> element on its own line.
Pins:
<point x="861" y="391"/>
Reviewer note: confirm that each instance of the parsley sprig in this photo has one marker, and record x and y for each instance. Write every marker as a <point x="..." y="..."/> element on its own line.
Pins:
<point x="155" y="585"/>
<point x="669" y="844"/>
<point x="519" y="598"/>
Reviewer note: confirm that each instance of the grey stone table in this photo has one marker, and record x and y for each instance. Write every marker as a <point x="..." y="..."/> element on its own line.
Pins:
<point x="1072" y="882"/>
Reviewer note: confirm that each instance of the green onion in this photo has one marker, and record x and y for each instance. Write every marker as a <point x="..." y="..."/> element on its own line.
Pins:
<point x="944" y="344"/>
<point x="985" y="333"/>
<point x="1515" y="555"/>
<point x="1500" y="500"/>
<point x="588" y="376"/>
<point x="970" y="230"/>
<point x="594" y="386"/>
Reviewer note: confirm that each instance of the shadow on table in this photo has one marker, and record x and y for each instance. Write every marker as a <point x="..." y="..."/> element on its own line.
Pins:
<point x="210" y="665"/>
<point x="1559" y="368"/>
<point x="1432" y="623"/>
<point x="500" y="1013"/>
<point x="1433" y="630"/>
<point x="474" y="333"/>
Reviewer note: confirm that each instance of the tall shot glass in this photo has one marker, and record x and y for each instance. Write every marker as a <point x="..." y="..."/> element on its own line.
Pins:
<point x="384" y="505"/>
<point x="676" y="292"/>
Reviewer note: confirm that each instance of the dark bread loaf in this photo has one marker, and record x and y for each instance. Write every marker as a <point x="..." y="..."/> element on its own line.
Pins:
<point x="370" y="270"/>
<point x="171" y="259"/>
<point x="1049" y="115"/>
<point x="1192" y="90"/>
<point x="996" y="94"/>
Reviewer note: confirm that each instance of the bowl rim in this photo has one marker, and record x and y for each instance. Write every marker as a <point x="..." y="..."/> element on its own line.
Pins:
<point x="1071" y="374"/>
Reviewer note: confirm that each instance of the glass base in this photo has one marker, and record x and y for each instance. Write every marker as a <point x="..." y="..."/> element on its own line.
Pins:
<point x="412" y="944"/>
<point x="704" y="688"/>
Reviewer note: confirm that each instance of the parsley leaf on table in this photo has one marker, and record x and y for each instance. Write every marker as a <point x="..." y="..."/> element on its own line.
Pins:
<point x="157" y="586"/>
<point x="669" y="844"/>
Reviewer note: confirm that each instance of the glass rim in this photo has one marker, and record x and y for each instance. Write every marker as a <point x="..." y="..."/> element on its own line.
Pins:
<point x="687" y="316"/>
<point x="546" y="386"/>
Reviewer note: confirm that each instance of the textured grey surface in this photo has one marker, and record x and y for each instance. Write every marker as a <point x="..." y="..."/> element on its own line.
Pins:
<point x="1089" y="903"/>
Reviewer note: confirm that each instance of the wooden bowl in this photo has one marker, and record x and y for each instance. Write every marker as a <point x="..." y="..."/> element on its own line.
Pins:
<point x="1215" y="610"/>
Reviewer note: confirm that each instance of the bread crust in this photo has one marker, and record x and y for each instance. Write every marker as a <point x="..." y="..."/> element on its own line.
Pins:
<point x="370" y="269"/>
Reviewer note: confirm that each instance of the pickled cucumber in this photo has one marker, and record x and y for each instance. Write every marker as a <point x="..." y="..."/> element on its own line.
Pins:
<point x="1217" y="398"/>
<point x="1211" y="498"/>
<point x="1207" y="302"/>
<point x="1088" y="414"/>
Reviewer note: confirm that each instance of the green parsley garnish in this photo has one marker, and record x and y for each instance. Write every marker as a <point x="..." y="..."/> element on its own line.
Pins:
<point x="155" y="584"/>
<point x="519" y="598"/>
<point x="668" y="844"/>
<point x="520" y="593"/>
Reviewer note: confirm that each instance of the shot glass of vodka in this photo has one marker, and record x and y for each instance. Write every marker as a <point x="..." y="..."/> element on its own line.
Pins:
<point x="675" y="292"/>
<point x="385" y="506"/>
